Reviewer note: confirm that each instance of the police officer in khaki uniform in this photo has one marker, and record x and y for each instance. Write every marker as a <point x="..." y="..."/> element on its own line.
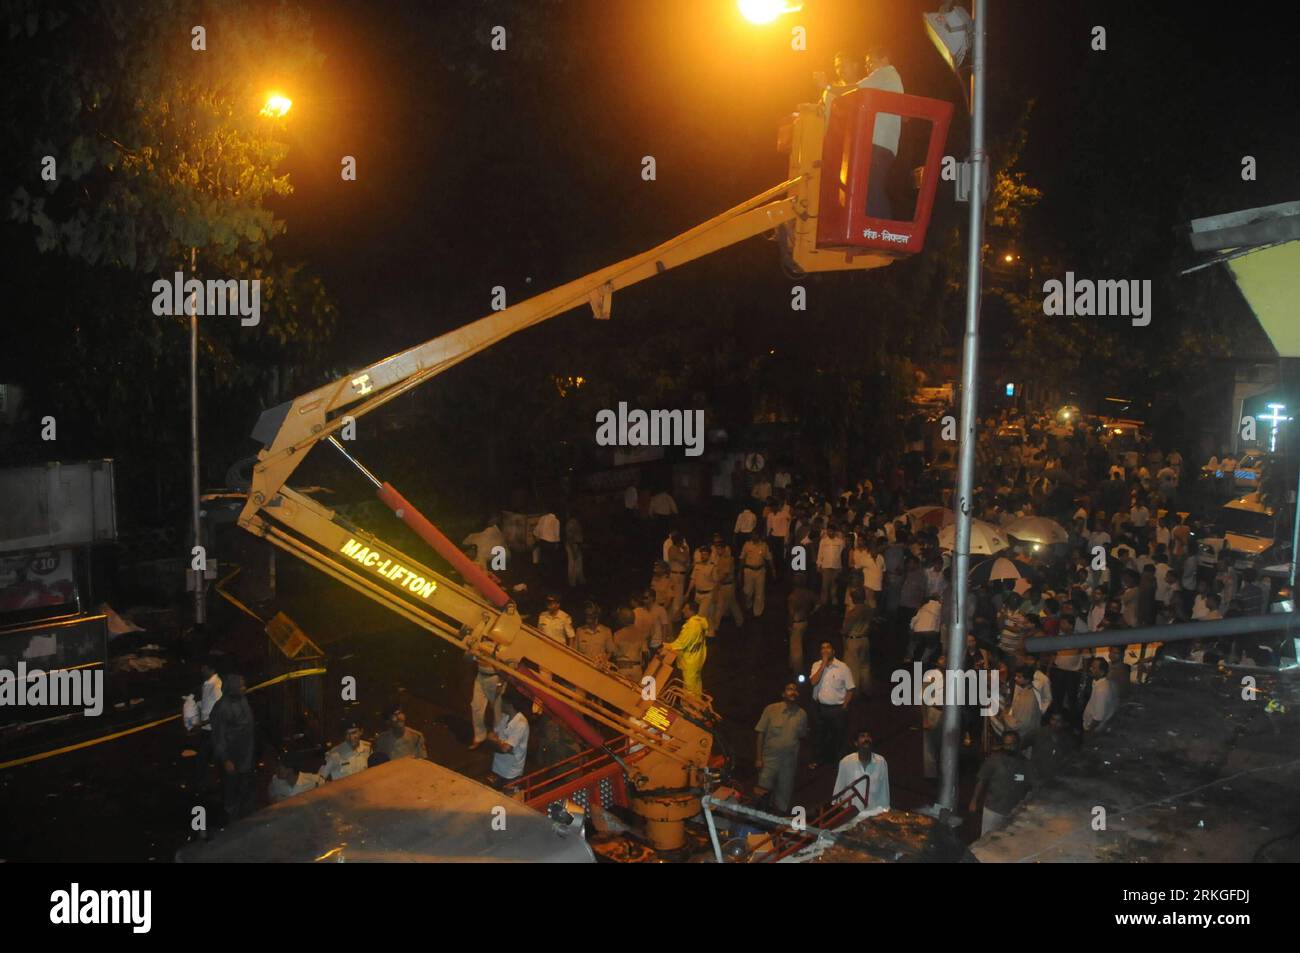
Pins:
<point x="724" y="586"/>
<point x="350" y="756"/>
<point x="678" y="556"/>
<point x="594" y="640"/>
<point x="400" y="741"/>
<point x="781" y="727"/>
<point x="630" y="643"/>
<point x="487" y="691"/>
<point x="755" y="560"/>
<point x="701" y="587"/>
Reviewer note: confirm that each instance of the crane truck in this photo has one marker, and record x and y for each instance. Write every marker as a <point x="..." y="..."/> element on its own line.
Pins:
<point x="656" y="740"/>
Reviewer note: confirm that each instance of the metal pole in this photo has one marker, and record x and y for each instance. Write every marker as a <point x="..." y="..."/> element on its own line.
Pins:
<point x="200" y="608"/>
<point x="1176" y="632"/>
<point x="1295" y="506"/>
<point x="1295" y="533"/>
<point x="969" y="382"/>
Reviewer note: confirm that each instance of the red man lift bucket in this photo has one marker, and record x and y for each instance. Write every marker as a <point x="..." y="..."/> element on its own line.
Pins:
<point x="876" y="145"/>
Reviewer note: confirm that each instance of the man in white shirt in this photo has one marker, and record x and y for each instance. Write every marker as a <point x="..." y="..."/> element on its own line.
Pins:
<point x="746" y="521"/>
<point x="1102" y="703"/>
<point x="555" y="623"/>
<point x="211" y="694"/>
<point x="1212" y="608"/>
<point x="1140" y="516"/>
<point x="778" y="528"/>
<point x="925" y="631"/>
<point x="1042" y="684"/>
<point x="1066" y="672"/>
<point x="832" y="691"/>
<point x="1024" y="713"/>
<point x="290" y="782"/>
<point x="1099" y="536"/>
<point x="1191" y="569"/>
<point x="510" y="742"/>
<point x="863" y="763"/>
<point x="1097" y="611"/>
<point x="631" y="499"/>
<point x="881" y="74"/>
<point x="663" y="505"/>
<point x="1199" y="608"/>
<point x="873" y="574"/>
<point x="830" y="560"/>
<point x="485" y="541"/>
<point x="208" y="697"/>
<point x="549" y="552"/>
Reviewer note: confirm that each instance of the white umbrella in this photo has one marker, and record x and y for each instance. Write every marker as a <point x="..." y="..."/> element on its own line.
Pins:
<point x="985" y="538"/>
<point x="996" y="570"/>
<point x="1037" y="529"/>
<point x="935" y="516"/>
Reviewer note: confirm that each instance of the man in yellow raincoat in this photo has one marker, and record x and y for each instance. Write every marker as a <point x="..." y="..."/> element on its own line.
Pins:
<point x="691" y="648"/>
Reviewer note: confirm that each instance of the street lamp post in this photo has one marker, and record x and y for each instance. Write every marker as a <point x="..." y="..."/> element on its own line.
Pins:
<point x="956" y="648"/>
<point x="275" y="107"/>
<point x="200" y="604"/>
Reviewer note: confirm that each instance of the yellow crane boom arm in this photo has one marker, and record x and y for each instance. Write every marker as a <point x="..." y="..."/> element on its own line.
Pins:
<point x="494" y="634"/>
<point x="288" y="431"/>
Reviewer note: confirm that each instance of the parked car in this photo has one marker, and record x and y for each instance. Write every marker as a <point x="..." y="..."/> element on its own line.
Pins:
<point x="1249" y="532"/>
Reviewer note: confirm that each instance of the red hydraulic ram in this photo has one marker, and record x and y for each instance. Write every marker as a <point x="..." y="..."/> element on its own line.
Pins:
<point x="484" y="583"/>
<point x="445" y="548"/>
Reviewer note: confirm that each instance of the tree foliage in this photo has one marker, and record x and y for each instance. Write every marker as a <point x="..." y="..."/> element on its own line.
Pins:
<point x="160" y="152"/>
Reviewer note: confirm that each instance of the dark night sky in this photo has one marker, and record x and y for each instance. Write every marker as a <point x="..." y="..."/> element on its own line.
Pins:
<point x="522" y="168"/>
<point x="1162" y="118"/>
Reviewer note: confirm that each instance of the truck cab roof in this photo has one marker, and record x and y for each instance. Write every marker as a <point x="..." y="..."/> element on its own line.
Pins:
<point x="405" y="811"/>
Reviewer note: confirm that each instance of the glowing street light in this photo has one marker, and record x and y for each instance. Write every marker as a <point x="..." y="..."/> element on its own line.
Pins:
<point x="1274" y="415"/>
<point x="765" y="11"/>
<point x="276" y="106"/>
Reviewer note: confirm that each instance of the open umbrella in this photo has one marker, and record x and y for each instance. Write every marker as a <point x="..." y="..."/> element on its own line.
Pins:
<point x="985" y="538"/>
<point x="1001" y="568"/>
<point x="1037" y="529"/>
<point x="936" y="516"/>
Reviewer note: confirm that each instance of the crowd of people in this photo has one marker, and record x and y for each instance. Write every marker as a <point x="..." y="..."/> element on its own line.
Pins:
<point x="863" y="565"/>
<point x="222" y="724"/>
<point x="861" y="587"/>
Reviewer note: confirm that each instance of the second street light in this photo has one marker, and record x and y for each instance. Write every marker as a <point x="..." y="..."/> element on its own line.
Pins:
<point x="276" y="106"/>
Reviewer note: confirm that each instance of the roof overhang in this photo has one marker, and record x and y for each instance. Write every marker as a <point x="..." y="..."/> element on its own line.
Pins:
<point x="1261" y="247"/>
